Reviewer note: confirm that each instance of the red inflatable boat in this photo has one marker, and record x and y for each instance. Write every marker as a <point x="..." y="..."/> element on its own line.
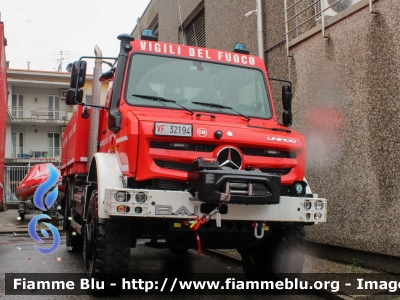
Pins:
<point x="36" y="176"/>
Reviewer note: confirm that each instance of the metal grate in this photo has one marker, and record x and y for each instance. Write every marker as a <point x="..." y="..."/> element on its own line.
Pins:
<point x="183" y="146"/>
<point x="13" y="177"/>
<point x="317" y="8"/>
<point x="267" y="153"/>
<point x="172" y="185"/>
<point x="195" y="31"/>
<point x="174" y="165"/>
<point x="279" y="172"/>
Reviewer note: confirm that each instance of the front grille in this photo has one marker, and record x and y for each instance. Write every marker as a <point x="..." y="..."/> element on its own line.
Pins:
<point x="174" y="165"/>
<point x="279" y="172"/>
<point x="267" y="153"/>
<point x="172" y="185"/>
<point x="183" y="146"/>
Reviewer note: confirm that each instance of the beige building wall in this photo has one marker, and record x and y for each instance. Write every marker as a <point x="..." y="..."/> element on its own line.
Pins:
<point x="346" y="103"/>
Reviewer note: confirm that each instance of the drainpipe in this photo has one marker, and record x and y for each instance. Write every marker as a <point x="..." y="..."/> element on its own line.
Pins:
<point x="2" y="197"/>
<point x="94" y="113"/>
<point x="260" y="29"/>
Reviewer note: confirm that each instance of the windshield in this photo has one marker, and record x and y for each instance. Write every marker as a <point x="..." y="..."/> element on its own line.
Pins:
<point x="186" y="82"/>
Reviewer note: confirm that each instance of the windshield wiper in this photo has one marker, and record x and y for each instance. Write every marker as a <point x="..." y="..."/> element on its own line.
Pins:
<point x="161" y="99"/>
<point x="223" y="107"/>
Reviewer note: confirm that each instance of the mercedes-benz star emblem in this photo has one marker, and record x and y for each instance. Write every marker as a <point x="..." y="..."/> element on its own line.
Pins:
<point x="229" y="157"/>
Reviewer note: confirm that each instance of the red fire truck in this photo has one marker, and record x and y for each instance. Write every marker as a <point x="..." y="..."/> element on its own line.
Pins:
<point x="188" y="155"/>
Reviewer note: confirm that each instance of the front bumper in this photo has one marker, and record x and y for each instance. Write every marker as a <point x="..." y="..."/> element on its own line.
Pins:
<point x="181" y="204"/>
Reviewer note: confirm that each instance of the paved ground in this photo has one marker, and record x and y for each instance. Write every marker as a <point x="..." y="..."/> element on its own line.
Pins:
<point x="10" y="224"/>
<point x="18" y="255"/>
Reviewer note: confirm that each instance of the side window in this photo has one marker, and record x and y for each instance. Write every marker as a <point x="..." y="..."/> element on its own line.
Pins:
<point x="17" y="140"/>
<point x="17" y="106"/>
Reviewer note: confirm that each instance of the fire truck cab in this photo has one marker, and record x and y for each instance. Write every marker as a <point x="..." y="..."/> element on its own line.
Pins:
<point x="188" y="154"/>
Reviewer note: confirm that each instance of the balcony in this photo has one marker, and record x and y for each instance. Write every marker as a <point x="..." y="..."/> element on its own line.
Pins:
<point x="22" y="155"/>
<point x="39" y="115"/>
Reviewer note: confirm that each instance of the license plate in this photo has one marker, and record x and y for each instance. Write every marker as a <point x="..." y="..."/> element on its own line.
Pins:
<point x="173" y="129"/>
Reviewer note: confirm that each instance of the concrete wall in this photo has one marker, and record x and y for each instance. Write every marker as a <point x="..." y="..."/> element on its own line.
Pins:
<point x="363" y="68"/>
<point x="346" y="103"/>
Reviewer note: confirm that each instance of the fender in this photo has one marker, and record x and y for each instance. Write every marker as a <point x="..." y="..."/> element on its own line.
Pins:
<point x="308" y="188"/>
<point x="106" y="172"/>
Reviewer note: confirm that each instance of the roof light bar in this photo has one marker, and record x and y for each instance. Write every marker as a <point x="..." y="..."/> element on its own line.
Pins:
<point x="240" y="48"/>
<point x="147" y="34"/>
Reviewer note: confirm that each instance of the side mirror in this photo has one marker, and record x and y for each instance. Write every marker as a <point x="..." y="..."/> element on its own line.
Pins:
<point x="287" y="97"/>
<point x="287" y="118"/>
<point x="78" y="74"/>
<point x="107" y="75"/>
<point x="73" y="98"/>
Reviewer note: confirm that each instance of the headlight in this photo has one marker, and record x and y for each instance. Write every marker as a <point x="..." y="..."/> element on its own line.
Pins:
<point x="140" y="197"/>
<point x="138" y="210"/>
<point x="298" y="189"/>
<point x="120" y="197"/>
<point x="307" y="204"/>
<point x="317" y="216"/>
<point x="319" y="205"/>
<point x="123" y="209"/>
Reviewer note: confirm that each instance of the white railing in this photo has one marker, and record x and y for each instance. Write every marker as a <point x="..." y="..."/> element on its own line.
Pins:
<point x="19" y="152"/>
<point x="41" y="113"/>
<point x="302" y="15"/>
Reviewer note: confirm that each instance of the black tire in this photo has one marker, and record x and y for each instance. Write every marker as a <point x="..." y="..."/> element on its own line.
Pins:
<point x="178" y="250"/>
<point x="73" y="240"/>
<point x="289" y="255"/>
<point x="22" y="216"/>
<point x="281" y="252"/>
<point x="106" y="244"/>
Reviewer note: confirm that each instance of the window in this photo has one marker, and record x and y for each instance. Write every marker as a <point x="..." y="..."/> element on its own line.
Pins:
<point x="17" y="106"/>
<point x="17" y="140"/>
<point x="53" y="141"/>
<point x="242" y="89"/>
<point x="155" y="29"/>
<point x="195" y="31"/>
<point x="54" y="107"/>
<point x="154" y="25"/>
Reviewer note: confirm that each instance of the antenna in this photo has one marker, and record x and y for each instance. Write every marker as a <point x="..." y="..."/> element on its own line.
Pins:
<point x="63" y="56"/>
<point x="138" y="24"/>
<point x="180" y="16"/>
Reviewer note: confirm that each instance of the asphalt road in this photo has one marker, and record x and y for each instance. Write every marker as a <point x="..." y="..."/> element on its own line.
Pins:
<point x="18" y="255"/>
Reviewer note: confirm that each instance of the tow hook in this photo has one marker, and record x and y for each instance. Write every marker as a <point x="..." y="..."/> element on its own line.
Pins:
<point x="258" y="225"/>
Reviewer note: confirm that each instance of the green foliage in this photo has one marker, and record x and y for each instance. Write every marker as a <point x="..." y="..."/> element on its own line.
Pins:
<point x="356" y="264"/>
